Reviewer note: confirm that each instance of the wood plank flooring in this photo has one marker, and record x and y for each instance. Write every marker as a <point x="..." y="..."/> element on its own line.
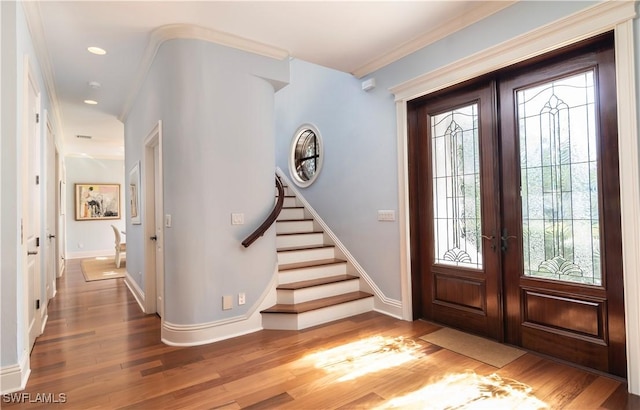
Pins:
<point x="99" y="351"/>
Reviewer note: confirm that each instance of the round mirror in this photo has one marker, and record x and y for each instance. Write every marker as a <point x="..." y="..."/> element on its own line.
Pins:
<point x="305" y="159"/>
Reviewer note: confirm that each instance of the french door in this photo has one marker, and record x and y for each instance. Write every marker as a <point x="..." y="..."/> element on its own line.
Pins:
<point x="514" y="200"/>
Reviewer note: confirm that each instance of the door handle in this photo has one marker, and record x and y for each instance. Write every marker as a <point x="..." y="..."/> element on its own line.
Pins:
<point x="154" y="237"/>
<point x="492" y="239"/>
<point x="51" y="236"/>
<point x="504" y="238"/>
<point x="32" y="252"/>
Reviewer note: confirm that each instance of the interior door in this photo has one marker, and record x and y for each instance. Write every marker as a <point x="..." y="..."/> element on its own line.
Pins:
<point x="454" y="204"/>
<point x="31" y="206"/>
<point x="51" y="248"/>
<point x="561" y="219"/>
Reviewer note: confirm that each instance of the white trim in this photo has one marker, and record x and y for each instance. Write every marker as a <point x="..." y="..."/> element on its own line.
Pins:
<point x="135" y="290"/>
<point x="589" y="22"/>
<point x="190" y="31"/>
<point x="629" y="195"/>
<point x="403" y="219"/>
<point x="89" y="254"/>
<point x="382" y="304"/>
<point x="14" y="377"/>
<point x="481" y="11"/>
<point x="203" y="333"/>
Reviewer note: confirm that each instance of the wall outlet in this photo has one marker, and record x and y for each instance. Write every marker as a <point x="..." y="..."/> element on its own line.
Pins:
<point x="167" y="220"/>
<point x="242" y="299"/>
<point x="237" y="219"/>
<point x="227" y="302"/>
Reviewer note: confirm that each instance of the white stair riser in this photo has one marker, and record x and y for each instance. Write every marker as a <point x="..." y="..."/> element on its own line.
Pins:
<point x="317" y="292"/>
<point x="282" y="321"/>
<point x="308" y="239"/>
<point x="315" y="272"/>
<point x="294" y="227"/>
<point x="306" y="255"/>
<point x="291" y="213"/>
<point x="290" y="202"/>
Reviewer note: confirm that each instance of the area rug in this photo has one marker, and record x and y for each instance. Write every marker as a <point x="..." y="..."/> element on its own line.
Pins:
<point x="484" y="350"/>
<point x="102" y="268"/>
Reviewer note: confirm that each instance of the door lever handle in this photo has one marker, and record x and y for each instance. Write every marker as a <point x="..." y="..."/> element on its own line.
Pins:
<point x="504" y="238"/>
<point x="492" y="239"/>
<point x="32" y="252"/>
<point x="51" y="236"/>
<point x="154" y="237"/>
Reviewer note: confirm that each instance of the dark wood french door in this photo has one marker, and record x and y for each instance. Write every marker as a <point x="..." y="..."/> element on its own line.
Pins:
<point x="515" y="211"/>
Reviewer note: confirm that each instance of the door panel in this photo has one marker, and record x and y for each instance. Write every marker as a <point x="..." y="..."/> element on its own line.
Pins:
<point x="456" y="205"/>
<point x="561" y="199"/>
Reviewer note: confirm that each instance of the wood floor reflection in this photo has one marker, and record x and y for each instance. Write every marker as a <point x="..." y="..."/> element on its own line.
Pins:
<point x="100" y="351"/>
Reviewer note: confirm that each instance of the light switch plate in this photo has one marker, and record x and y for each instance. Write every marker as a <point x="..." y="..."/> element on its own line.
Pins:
<point x="387" y="215"/>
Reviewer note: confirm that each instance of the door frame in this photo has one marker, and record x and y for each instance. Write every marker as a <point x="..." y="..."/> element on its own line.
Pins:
<point x="600" y="18"/>
<point x="153" y="199"/>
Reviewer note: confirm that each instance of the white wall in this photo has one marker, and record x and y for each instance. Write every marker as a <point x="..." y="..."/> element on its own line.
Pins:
<point x="92" y="238"/>
<point x="216" y="107"/>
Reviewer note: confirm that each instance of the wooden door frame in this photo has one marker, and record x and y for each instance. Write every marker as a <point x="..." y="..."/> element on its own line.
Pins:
<point x="600" y="18"/>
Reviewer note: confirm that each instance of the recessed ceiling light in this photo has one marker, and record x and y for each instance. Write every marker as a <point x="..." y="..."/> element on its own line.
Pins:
<point x="97" y="50"/>
<point x="90" y="102"/>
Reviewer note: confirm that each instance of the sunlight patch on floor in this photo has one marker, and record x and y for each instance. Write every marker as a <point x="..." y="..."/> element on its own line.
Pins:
<point x="470" y="391"/>
<point x="366" y="356"/>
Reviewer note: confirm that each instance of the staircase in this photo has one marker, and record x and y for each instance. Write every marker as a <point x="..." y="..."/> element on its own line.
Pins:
<point x="315" y="284"/>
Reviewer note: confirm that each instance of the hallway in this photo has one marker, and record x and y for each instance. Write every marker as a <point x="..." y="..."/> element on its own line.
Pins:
<point x="99" y="351"/>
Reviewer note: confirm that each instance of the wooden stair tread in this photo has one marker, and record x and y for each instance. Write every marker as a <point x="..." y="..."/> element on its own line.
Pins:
<point x="295" y="220"/>
<point x="316" y="282"/>
<point x="304" y="247"/>
<point x="299" y="233"/>
<point x="309" y="264"/>
<point x="317" y="304"/>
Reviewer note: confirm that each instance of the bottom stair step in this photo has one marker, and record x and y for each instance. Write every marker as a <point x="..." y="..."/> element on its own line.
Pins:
<point x="315" y="312"/>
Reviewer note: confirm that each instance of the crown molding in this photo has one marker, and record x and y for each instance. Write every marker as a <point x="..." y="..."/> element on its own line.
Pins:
<point x="192" y="32"/>
<point x="483" y="10"/>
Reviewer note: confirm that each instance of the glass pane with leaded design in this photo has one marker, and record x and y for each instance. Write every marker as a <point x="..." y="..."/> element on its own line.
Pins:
<point x="559" y="183"/>
<point x="456" y="187"/>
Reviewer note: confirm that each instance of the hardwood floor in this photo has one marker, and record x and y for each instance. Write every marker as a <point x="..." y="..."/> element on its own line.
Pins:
<point x="99" y="351"/>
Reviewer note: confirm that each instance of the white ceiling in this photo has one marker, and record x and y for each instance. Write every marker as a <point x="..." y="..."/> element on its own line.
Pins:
<point x="355" y="37"/>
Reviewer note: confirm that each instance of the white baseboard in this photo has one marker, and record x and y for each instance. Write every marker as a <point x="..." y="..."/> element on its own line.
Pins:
<point x="135" y="290"/>
<point x="382" y="304"/>
<point x="204" y="333"/>
<point x="90" y="254"/>
<point x="14" y="378"/>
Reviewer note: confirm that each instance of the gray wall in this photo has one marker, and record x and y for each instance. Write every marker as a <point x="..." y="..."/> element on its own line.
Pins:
<point x="217" y="112"/>
<point x="92" y="238"/>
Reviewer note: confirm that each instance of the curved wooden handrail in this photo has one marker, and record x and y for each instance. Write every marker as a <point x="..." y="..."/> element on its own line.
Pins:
<point x="270" y="219"/>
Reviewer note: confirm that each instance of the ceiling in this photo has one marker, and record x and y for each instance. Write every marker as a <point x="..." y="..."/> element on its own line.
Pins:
<point x="355" y="37"/>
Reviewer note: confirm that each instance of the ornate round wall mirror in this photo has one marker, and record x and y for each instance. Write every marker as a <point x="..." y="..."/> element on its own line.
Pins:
<point x="305" y="158"/>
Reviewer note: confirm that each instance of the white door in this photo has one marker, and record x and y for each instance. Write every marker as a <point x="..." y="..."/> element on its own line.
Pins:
<point x="154" y="222"/>
<point x="157" y="183"/>
<point x="50" y="242"/>
<point x="31" y="205"/>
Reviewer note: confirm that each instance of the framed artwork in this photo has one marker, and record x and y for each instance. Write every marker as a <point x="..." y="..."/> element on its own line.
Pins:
<point x="134" y="194"/>
<point x="95" y="202"/>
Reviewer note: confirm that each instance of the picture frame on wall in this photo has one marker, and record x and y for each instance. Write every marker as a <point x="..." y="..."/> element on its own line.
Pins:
<point x="94" y="202"/>
<point x="134" y="194"/>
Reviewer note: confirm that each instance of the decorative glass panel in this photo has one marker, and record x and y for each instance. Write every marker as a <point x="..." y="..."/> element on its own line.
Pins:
<point x="456" y="187"/>
<point x="558" y="157"/>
